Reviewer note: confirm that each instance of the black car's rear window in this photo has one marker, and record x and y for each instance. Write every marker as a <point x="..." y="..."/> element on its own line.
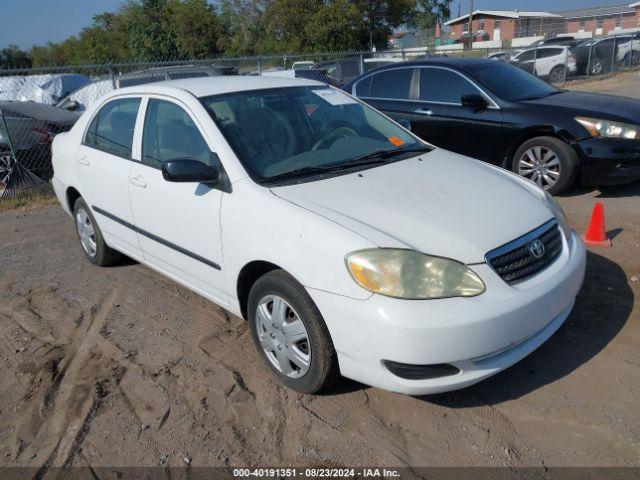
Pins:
<point x="510" y="83"/>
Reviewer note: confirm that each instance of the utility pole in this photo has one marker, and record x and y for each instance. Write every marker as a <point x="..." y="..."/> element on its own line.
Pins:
<point x="470" y="45"/>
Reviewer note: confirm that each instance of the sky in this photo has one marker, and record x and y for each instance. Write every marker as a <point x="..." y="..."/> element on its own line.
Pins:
<point x="35" y="22"/>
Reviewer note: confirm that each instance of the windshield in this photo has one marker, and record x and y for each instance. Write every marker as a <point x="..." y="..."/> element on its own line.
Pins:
<point x="511" y="83"/>
<point x="293" y="130"/>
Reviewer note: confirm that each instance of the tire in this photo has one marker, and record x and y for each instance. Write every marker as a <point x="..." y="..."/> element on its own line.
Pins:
<point x="561" y="167"/>
<point x="90" y="237"/>
<point x="596" y="67"/>
<point x="557" y="74"/>
<point x="300" y="355"/>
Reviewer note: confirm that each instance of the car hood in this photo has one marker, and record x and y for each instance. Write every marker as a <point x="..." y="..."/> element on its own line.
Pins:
<point x="439" y="203"/>
<point x="594" y="104"/>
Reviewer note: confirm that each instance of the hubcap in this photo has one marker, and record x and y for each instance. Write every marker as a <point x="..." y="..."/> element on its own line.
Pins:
<point x="283" y="337"/>
<point x="5" y="169"/>
<point x="86" y="232"/>
<point x="540" y="165"/>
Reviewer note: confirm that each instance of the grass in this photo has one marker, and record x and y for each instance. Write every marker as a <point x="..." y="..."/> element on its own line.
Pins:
<point x="29" y="200"/>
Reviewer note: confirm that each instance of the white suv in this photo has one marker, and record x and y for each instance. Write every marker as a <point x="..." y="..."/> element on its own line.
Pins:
<point x="555" y="63"/>
<point x="348" y="244"/>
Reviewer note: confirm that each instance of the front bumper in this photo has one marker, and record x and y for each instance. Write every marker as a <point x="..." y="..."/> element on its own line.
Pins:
<point x="479" y="335"/>
<point x="608" y="161"/>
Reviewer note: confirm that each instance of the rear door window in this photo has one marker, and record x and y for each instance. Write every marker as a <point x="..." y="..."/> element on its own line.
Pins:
<point x="112" y="128"/>
<point x="394" y="84"/>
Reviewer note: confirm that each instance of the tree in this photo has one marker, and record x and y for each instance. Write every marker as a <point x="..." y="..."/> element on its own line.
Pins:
<point x="14" y="57"/>
<point x="336" y="26"/>
<point x="429" y="12"/>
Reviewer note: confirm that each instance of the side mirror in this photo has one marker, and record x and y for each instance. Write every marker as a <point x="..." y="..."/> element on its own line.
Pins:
<point x="475" y="101"/>
<point x="189" y="170"/>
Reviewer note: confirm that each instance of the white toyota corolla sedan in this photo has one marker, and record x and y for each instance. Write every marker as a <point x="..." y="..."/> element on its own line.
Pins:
<point x="349" y="245"/>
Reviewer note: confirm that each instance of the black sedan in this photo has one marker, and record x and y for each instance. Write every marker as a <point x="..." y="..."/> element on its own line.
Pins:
<point x="498" y="113"/>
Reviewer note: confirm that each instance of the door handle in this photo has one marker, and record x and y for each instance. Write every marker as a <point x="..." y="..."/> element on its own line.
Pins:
<point x="137" y="181"/>
<point x="423" y="111"/>
<point x="83" y="160"/>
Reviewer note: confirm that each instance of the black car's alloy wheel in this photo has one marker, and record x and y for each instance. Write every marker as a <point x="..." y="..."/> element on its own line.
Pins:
<point x="5" y="168"/>
<point x="547" y="161"/>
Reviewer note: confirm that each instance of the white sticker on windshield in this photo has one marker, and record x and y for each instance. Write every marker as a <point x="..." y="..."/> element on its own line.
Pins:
<point x="334" y="97"/>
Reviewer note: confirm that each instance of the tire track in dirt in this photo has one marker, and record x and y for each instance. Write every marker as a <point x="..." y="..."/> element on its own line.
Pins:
<point x="60" y="408"/>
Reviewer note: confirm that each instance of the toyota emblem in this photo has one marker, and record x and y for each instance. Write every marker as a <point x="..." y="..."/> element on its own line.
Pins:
<point x="536" y="249"/>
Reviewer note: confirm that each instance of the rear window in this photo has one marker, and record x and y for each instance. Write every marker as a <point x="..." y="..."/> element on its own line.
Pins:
<point x="391" y="84"/>
<point x="112" y="128"/>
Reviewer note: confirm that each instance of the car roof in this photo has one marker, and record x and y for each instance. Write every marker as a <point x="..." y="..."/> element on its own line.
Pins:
<point x="458" y="62"/>
<point x="206" y="86"/>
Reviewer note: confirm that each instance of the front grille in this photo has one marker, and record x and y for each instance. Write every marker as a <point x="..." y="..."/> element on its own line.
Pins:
<point x="520" y="259"/>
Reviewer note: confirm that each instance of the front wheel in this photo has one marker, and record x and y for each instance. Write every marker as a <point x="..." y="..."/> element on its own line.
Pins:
<point x="290" y="334"/>
<point x="90" y="236"/>
<point x="548" y="162"/>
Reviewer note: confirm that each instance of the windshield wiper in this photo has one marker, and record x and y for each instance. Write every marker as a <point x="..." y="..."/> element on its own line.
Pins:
<point x="373" y="158"/>
<point x="379" y="156"/>
<point x="298" y="172"/>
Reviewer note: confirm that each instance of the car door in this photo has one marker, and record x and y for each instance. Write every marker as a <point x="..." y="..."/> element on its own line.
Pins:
<point x="104" y="161"/>
<point x="440" y="118"/>
<point x="390" y="91"/>
<point x="178" y="224"/>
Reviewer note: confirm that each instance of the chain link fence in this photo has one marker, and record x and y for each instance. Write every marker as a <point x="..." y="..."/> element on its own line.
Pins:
<point x="37" y="104"/>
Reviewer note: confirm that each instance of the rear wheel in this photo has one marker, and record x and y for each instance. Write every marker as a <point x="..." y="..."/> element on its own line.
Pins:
<point x="548" y="162"/>
<point x="290" y="334"/>
<point x="596" y="67"/>
<point x="90" y="236"/>
<point x="558" y="74"/>
<point x="5" y="167"/>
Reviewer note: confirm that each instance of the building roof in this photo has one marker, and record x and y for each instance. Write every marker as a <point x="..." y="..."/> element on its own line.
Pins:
<point x="505" y="14"/>
<point x="598" y="11"/>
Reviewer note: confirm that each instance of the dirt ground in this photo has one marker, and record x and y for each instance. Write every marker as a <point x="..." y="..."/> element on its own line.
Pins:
<point x="122" y="367"/>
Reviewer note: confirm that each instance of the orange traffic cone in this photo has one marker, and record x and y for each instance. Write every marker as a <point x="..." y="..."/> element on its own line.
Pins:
<point x="596" y="235"/>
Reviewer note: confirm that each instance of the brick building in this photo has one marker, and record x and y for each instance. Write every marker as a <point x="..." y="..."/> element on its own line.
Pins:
<point x="509" y="24"/>
<point x="503" y="25"/>
<point x="602" y="20"/>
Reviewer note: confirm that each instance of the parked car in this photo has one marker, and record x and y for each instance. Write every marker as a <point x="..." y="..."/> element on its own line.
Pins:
<point x="597" y="56"/>
<point x="553" y="63"/>
<point x="500" y="114"/>
<point x="302" y="64"/>
<point x="81" y="99"/>
<point x="340" y="71"/>
<point x="26" y="131"/>
<point x="47" y="89"/>
<point x="348" y="244"/>
<point x="566" y="40"/>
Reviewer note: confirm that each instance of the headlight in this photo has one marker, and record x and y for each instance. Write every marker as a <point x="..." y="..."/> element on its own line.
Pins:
<point x="609" y="129"/>
<point x="558" y="212"/>
<point x="412" y="275"/>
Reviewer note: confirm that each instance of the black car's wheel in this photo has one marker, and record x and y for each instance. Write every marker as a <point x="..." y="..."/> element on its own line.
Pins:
<point x="548" y="162"/>
<point x="6" y="165"/>
<point x="90" y="236"/>
<point x="631" y="59"/>
<point x="596" y="67"/>
<point x="290" y="334"/>
<point x="558" y="74"/>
